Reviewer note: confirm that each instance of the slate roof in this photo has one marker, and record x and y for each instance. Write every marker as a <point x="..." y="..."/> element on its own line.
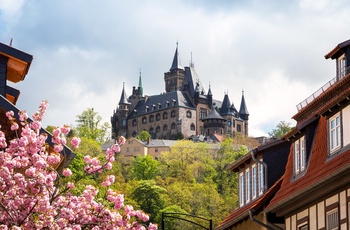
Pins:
<point x="192" y="78"/>
<point x="123" y="97"/>
<point x="243" y="109"/>
<point x="242" y="213"/>
<point x="322" y="170"/>
<point x="176" y="64"/>
<point x="163" y="100"/>
<point x="160" y="143"/>
<point x="213" y="114"/>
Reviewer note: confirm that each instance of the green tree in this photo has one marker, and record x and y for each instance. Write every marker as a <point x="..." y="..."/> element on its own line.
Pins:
<point x="282" y="128"/>
<point x="149" y="197"/>
<point x="89" y="126"/>
<point x="171" y="223"/>
<point x="144" y="168"/>
<point x="143" y="135"/>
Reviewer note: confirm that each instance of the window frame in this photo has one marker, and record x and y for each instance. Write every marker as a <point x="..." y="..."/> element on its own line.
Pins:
<point x="248" y="185"/>
<point x="172" y="113"/>
<point x="335" y="133"/>
<point x="261" y="174"/>
<point x="299" y="155"/>
<point x="336" y="225"/>
<point x="254" y="182"/>
<point x="241" y="189"/>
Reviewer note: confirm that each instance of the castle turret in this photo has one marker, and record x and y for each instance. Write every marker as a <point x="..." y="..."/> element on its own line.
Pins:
<point x="174" y="78"/>
<point x="244" y="114"/>
<point x="210" y="98"/>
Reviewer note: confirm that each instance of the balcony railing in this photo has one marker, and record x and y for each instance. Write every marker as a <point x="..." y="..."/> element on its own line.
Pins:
<point x="313" y="96"/>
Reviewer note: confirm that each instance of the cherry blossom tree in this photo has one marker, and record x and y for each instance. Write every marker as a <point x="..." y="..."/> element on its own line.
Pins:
<point x="31" y="193"/>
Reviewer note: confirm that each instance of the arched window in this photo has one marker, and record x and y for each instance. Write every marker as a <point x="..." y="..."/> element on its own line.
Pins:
<point x="144" y="120"/>
<point x="173" y="125"/>
<point x="134" y="134"/>
<point x="165" y="128"/>
<point x="165" y="115"/>
<point x="151" y="118"/>
<point x="193" y="127"/>
<point x="157" y="129"/>
<point x="188" y="114"/>
<point x="134" y="122"/>
<point x="173" y="114"/>
<point x="158" y="117"/>
<point x="151" y="130"/>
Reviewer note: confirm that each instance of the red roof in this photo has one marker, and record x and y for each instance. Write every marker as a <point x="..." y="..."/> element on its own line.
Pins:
<point x="320" y="169"/>
<point x="241" y="213"/>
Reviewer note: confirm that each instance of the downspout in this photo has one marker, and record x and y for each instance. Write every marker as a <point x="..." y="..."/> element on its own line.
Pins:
<point x="267" y="226"/>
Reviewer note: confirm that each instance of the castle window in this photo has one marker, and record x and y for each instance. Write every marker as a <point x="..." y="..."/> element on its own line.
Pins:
<point x="203" y="113"/>
<point x="158" y="117"/>
<point x="159" y="106"/>
<point x="165" y="115"/>
<point x="151" y="118"/>
<point x="188" y="114"/>
<point x="173" y="114"/>
<point x="174" y="102"/>
<point x="147" y="109"/>
<point x="229" y="123"/>
<point x="151" y="130"/>
<point x="134" y="122"/>
<point x="173" y="125"/>
<point x="157" y="129"/>
<point x="144" y="120"/>
<point x="134" y="134"/>
<point x="167" y="104"/>
<point x="299" y="155"/>
<point x="165" y="128"/>
<point x="239" y="128"/>
<point x="193" y="127"/>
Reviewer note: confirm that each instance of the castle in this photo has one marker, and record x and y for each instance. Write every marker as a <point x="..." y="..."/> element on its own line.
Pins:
<point x="184" y="109"/>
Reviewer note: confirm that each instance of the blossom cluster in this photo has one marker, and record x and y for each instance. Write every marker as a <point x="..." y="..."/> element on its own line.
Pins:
<point x="29" y="193"/>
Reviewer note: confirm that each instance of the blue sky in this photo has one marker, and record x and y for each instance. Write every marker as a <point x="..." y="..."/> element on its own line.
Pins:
<point x="85" y="49"/>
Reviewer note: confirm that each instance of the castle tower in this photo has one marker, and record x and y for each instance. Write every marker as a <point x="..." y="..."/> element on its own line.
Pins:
<point x="244" y="114"/>
<point x="119" y="118"/>
<point x="174" y="78"/>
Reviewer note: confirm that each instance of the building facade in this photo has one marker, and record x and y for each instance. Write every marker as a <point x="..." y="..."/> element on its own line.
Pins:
<point x="185" y="108"/>
<point x="315" y="192"/>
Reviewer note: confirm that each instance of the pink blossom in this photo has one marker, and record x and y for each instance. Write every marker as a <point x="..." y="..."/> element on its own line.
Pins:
<point x="65" y="129"/>
<point x="9" y="115"/>
<point x="121" y="140"/>
<point x="14" y="126"/>
<point x="87" y="159"/>
<point x="75" y="142"/>
<point x="66" y="172"/>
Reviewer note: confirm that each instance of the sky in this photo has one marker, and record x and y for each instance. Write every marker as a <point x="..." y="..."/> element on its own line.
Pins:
<point x="85" y="49"/>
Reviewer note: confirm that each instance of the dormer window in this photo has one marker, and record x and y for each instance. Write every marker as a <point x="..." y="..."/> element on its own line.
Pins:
<point x="334" y="133"/>
<point x="342" y="67"/>
<point x="299" y="155"/>
<point x="241" y="189"/>
<point x="248" y="185"/>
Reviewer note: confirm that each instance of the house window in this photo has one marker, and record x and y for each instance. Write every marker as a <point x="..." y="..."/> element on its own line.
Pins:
<point x="144" y="120"/>
<point x="165" y="128"/>
<point x="254" y="182"/>
<point x="299" y="155"/>
<point x="239" y="128"/>
<point x="127" y="150"/>
<point x="173" y="125"/>
<point x="248" y="185"/>
<point x="157" y="129"/>
<point x="342" y="67"/>
<point x="151" y="118"/>
<point x="332" y="220"/>
<point x="165" y="115"/>
<point x="193" y="127"/>
<point x="172" y="114"/>
<point x="334" y="133"/>
<point x="156" y="150"/>
<point x="134" y="122"/>
<point x="158" y="117"/>
<point x="261" y="179"/>
<point x="241" y="189"/>
<point x="188" y="114"/>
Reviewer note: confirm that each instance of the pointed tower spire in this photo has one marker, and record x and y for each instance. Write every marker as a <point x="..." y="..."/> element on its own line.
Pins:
<point x="209" y="91"/>
<point x="243" y="111"/>
<point x="176" y="61"/>
<point x="123" y="98"/>
<point x="140" y="84"/>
